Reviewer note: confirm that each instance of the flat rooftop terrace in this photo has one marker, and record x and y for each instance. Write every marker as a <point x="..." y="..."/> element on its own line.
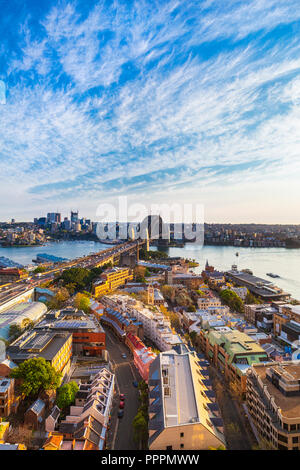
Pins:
<point x="290" y="406"/>
<point x="180" y="405"/>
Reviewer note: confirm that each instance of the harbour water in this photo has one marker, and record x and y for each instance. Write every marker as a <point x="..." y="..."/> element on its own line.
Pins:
<point x="281" y="261"/>
<point x="63" y="249"/>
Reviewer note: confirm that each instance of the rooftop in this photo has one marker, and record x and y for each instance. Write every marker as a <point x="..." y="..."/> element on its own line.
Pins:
<point x="69" y="320"/>
<point x="180" y="405"/>
<point x="289" y="372"/>
<point x="235" y="343"/>
<point x="4" y="384"/>
<point x="37" y="344"/>
<point x="180" y="391"/>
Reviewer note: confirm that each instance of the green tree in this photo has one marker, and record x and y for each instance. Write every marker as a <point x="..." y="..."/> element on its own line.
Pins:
<point x="193" y="337"/>
<point x="39" y="269"/>
<point x="140" y="429"/>
<point x="15" y="331"/>
<point x="71" y="288"/>
<point x="80" y="277"/>
<point x="142" y="386"/>
<point x="251" y="299"/>
<point x="61" y="296"/>
<point x="231" y="299"/>
<point x="36" y="375"/>
<point x="66" y="395"/>
<point x="82" y="302"/>
<point x="191" y="308"/>
<point x="148" y="255"/>
<point x="169" y="293"/>
<point x="264" y="444"/>
<point x="174" y="320"/>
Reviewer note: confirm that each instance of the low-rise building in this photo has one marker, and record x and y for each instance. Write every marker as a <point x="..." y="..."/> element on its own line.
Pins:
<point x="183" y="413"/>
<point x="7" y="446"/>
<point x="232" y="352"/>
<point x="22" y="315"/>
<point x="207" y="302"/>
<point x="142" y="356"/>
<point x="55" y="347"/>
<point x="121" y="323"/>
<point x="88" y="335"/>
<point x="286" y="321"/>
<point x="143" y="359"/>
<point x="189" y="280"/>
<point x="260" y="315"/>
<point x="8" y="401"/>
<point x="88" y="419"/>
<point x="52" y="419"/>
<point x="273" y="400"/>
<point x="11" y="275"/>
<point x="97" y="309"/>
<point x="290" y="333"/>
<point x="155" y="326"/>
<point x="158" y="297"/>
<point x="35" y="415"/>
<point x="111" y="279"/>
<point x="212" y="277"/>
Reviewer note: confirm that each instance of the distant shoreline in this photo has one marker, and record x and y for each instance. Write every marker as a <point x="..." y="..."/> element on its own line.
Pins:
<point x="20" y="246"/>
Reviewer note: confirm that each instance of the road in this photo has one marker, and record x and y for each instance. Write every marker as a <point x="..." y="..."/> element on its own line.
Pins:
<point x="121" y="432"/>
<point x="11" y="290"/>
<point x="237" y="430"/>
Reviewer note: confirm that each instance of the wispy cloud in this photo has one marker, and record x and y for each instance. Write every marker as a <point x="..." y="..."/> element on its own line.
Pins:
<point x="123" y="97"/>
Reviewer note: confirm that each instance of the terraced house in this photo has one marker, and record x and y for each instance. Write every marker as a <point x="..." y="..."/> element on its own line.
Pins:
<point x="85" y="428"/>
<point x="273" y="400"/>
<point x="232" y="352"/>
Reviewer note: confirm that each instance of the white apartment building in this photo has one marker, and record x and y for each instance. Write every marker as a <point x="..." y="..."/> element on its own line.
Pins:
<point x="156" y="327"/>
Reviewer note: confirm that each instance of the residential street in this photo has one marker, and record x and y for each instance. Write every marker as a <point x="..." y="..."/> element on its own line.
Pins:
<point x="120" y="436"/>
<point x="237" y="429"/>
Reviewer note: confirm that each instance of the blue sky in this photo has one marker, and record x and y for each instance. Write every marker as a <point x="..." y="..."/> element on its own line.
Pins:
<point x="162" y="101"/>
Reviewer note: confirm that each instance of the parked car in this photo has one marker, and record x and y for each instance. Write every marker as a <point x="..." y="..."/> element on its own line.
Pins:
<point x="120" y="413"/>
<point x="124" y="356"/>
<point x="135" y="384"/>
<point x="122" y="396"/>
<point x="121" y="405"/>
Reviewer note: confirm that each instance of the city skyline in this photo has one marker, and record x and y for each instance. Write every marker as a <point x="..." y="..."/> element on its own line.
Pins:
<point x="163" y="102"/>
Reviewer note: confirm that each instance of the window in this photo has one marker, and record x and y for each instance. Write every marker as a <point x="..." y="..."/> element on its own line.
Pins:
<point x="181" y="446"/>
<point x="282" y="438"/>
<point x="182" y="434"/>
<point x="295" y="440"/>
<point x="169" y="448"/>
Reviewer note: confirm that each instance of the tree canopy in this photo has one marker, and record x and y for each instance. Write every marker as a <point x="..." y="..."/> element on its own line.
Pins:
<point x="36" y="375"/>
<point x="79" y="277"/>
<point x="232" y="300"/>
<point x="82" y="302"/>
<point x="140" y="421"/>
<point x="61" y="296"/>
<point x="66" y="394"/>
